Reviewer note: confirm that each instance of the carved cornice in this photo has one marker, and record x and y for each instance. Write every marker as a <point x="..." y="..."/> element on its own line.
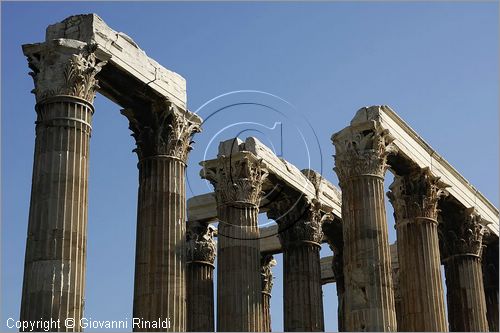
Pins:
<point x="236" y="180"/>
<point x="462" y="234"/>
<point x="298" y="222"/>
<point x="200" y="243"/>
<point x="161" y="130"/>
<point x="267" y="262"/>
<point x="56" y="72"/>
<point x="416" y="195"/>
<point x="361" y="151"/>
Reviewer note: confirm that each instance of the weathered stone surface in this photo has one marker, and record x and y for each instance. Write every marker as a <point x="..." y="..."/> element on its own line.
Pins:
<point x="201" y="245"/>
<point x="396" y="285"/>
<point x="163" y="137"/>
<point x="462" y="234"/>
<point x="267" y="263"/>
<point x="80" y="56"/>
<point x="414" y="197"/>
<point x="125" y="57"/>
<point x="238" y="180"/>
<point x="490" y="278"/>
<point x="334" y="235"/>
<point x="161" y="130"/>
<point x="64" y="68"/>
<point x="412" y="148"/>
<point x="283" y="177"/>
<point x="201" y="250"/>
<point x="360" y="163"/>
<point x="55" y="261"/>
<point x="300" y="236"/>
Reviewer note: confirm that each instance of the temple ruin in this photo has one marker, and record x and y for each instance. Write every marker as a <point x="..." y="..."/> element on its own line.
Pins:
<point x="441" y="219"/>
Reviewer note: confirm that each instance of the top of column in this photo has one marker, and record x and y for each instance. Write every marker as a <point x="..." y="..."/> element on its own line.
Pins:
<point x="236" y="174"/>
<point x="374" y="127"/>
<point x="130" y="78"/>
<point x="362" y="147"/>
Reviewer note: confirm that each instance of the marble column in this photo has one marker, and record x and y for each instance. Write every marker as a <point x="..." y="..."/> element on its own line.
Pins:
<point x="163" y="136"/>
<point x="55" y="259"/>
<point x="333" y="232"/>
<point x="238" y="187"/>
<point x="300" y="236"/>
<point x="462" y="235"/>
<point x="360" y="163"/>
<point x="396" y="286"/>
<point x="490" y="272"/>
<point x="201" y="250"/>
<point x="414" y="197"/>
<point x="267" y="263"/>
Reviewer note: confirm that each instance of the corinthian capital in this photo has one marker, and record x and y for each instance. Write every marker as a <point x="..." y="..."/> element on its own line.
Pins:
<point x="298" y="222"/>
<point x="162" y="130"/>
<point x="267" y="262"/>
<point x="462" y="234"/>
<point x="237" y="179"/>
<point x="416" y="195"/>
<point x="362" y="148"/>
<point x="64" y="68"/>
<point x="200" y="243"/>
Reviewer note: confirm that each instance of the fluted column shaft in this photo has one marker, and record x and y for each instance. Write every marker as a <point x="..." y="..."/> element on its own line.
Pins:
<point x="360" y="165"/>
<point x="237" y="180"/>
<point x="163" y="135"/>
<point x="465" y="294"/>
<point x="239" y="298"/>
<point x="490" y="274"/>
<point x="414" y="198"/>
<point x="267" y="262"/>
<point x="200" y="297"/>
<point x="159" y="290"/>
<point x="300" y="236"/>
<point x="201" y="251"/>
<point x="367" y="267"/>
<point x="55" y="259"/>
<point x="398" y="301"/>
<point x="266" y="312"/>
<point x="462" y="251"/>
<point x="303" y="298"/>
<point x="338" y="271"/>
<point x="333" y="232"/>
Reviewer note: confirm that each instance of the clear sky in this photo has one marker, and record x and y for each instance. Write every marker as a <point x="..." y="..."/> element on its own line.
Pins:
<point x="435" y="64"/>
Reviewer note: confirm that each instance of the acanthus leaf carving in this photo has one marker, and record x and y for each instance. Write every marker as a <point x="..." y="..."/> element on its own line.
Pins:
<point x="362" y="152"/>
<point x="161" y="130"/>
<point x="298" y="222"/>
<point x="462" y="234"/>
<point x="267" y="263"/>
<point x="416" y="195"/>
<point x="236" y="180"/>
<point x="200" y="243"/>
<point x="56" y="73"/>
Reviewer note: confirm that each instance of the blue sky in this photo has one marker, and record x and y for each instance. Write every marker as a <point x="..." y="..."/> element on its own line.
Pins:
<point x="435" y="64"/>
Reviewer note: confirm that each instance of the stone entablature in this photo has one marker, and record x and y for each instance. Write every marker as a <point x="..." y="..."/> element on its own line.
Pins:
<point x="411" y="148"/>
<point x="130" y="65"/>
<point x="82" y="55"/>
